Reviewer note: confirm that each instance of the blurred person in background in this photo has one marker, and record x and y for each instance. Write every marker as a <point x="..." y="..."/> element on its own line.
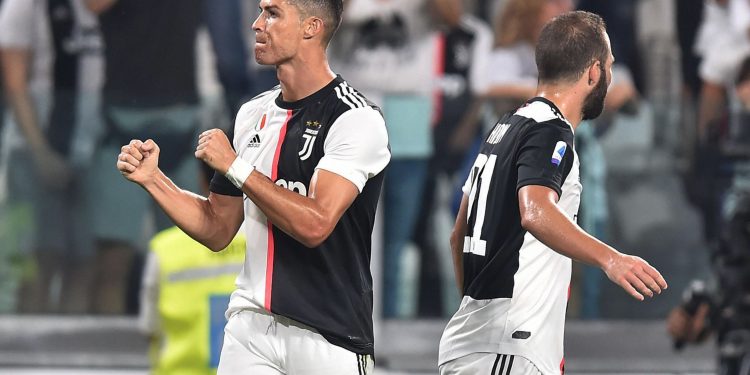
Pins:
<point x="520" y="202"/>
<point x="724" y="309"/>
<point x="149" y="92"/>
<point x="387" y="48"/>
<point x="51" y="64"/>
<point x="722" y="42"/>
<point x="224" y="20"/>
<point x="463" y="48"/>
<point x="184" y="295"/>
<point x="620" y="17"/>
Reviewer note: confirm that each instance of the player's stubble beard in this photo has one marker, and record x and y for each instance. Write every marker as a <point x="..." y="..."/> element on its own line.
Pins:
<point x="593" y="105"/>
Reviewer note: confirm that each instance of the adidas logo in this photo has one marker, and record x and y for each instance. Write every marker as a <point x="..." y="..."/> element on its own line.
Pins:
<point x="254" y="142"/>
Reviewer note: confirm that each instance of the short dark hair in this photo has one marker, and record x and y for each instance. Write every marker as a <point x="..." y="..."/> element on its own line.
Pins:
<point x="328" y="10"/>
<point x="569" y="44"/>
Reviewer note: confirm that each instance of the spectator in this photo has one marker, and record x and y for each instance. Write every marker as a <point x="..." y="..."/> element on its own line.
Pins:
<point x="465" y="43"/>
<point x="45" y="44"/>
<point x="224" y="21"/>
<point x="150" y="92"/>
<point x="386" y="48"/>
<point x="722" y="42"/>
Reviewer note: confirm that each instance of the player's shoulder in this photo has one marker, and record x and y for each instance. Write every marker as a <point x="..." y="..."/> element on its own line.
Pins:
<point x="261" y="99"/>
<point x="540" y="112"/>
<point x="345" y="99"/>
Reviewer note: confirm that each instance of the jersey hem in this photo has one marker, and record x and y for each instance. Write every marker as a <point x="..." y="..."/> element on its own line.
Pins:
<point x="502" y="348"/>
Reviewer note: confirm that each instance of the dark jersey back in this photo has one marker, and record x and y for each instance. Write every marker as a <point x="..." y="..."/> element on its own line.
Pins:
<point x="328" y="287"/>
<point x="520" y="151"/>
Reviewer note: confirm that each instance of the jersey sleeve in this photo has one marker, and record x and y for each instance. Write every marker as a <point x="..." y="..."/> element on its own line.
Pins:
<point x="356" y="146"/>
<point x="545" y="156"/>
<point x="219" y="183"/>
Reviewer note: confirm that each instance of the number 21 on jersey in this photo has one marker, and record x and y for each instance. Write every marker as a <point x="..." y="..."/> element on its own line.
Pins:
<point x="481" y="177"/>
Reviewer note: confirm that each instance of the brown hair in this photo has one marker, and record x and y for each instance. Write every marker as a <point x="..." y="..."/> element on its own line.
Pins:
<point x="569" y="44"/>
<point x="518" y="21"/>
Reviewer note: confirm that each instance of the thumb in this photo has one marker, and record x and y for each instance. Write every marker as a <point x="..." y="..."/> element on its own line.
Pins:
<point x="150" y="146"/>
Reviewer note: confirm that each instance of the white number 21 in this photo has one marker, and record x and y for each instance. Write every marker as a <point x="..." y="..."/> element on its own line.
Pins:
<point x="484" y="167"/>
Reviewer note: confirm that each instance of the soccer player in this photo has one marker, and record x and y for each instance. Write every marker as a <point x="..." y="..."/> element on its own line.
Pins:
<point x="515" y="232"/>
<point x="305" y="174"/>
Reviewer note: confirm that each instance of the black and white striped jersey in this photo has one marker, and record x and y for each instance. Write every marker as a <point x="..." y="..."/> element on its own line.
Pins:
<point x="328" y="287"/>
<point x="515" y="287"/>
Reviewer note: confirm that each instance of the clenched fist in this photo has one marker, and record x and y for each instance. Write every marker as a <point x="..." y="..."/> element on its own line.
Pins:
<point x="215" y="150"/>
<point x="138" y="161"/>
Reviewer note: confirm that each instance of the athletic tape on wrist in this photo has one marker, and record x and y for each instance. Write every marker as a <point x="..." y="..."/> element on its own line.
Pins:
<point x="238" y="172"/>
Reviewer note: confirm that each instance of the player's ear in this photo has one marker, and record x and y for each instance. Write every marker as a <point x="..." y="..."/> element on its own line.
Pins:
<point x="313" y="26"/>
<point x="594" y="73"/>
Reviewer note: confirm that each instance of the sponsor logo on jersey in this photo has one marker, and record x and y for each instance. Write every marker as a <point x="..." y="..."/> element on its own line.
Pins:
<point x="559" y="152"/>
<point x="293" y="186"/>
<point x="254" y="141"/>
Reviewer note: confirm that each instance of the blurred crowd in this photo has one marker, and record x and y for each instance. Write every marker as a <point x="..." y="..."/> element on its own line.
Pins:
<point x="81" y="78"/>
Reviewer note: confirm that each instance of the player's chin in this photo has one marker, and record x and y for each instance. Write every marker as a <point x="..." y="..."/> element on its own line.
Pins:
<point x="261" y="60"/>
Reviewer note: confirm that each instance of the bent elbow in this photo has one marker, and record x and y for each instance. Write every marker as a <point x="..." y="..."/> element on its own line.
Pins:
<point x="529" y="222"/>
<point x="314" y="239"/>
<point x="313" y="235"/>
<point x="218" y="244"/>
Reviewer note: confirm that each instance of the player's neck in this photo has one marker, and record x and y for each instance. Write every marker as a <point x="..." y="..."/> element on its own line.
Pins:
<point x="568" y="99"/>
<point x="303" y="76"/>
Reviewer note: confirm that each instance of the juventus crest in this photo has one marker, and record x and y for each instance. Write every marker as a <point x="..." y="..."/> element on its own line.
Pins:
<point x="311" y="133"/>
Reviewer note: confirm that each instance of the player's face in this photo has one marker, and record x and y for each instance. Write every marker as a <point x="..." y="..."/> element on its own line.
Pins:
<point x="593" y="105"/>
<point x="278" y="32"/>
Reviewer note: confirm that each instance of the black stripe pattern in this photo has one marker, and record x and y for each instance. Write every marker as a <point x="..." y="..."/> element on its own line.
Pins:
<point x="502" y="358"/>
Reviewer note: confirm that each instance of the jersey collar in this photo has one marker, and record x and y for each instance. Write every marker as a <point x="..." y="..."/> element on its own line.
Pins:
<point x="552" y="106"/>
<point x="312" y="98"/>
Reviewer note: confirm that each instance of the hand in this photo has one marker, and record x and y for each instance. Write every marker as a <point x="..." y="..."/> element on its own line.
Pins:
<point x="138" y="161"/>
<point x="635" y="275"/>
<point x="686" y="328"/>
<point x="214" y="149"/>
<point x="52" y="168"/>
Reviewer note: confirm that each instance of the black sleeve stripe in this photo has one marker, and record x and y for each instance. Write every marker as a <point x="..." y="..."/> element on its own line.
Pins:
<point x="494" y="367"/>
<point x="540" y="182"/>
<point x="510" y="365"/>
<point x="502" y="364"/>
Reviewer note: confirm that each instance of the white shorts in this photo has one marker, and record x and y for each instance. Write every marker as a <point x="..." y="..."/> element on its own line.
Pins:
<point x="492" y="363"/>
<point x="257" y="342"/>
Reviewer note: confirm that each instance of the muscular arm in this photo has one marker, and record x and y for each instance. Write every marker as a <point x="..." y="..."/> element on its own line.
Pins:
<point x="543" y="218"/>
<point x="212" y="221"/>
<point x="308" y="219"/>
<point x="457" y="243"/>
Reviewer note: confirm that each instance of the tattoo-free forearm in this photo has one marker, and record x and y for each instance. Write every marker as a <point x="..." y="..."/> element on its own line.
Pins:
<point x="211" y="221"/>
